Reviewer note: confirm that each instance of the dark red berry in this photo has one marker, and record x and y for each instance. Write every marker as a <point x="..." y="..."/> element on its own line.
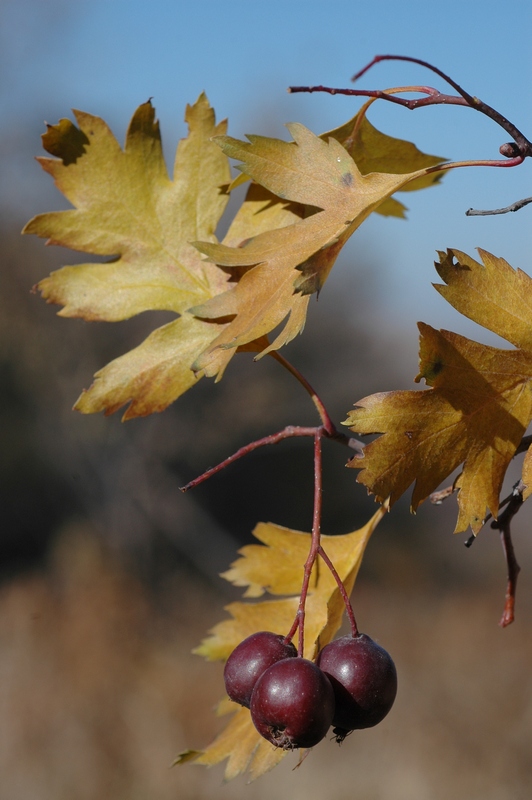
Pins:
<point x="364" y="681"/>
<point x="250" y="659"/>
<point x="292" y="704"/>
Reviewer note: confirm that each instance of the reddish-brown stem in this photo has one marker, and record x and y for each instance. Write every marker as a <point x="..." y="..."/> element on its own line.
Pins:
<point x="467" y="97"/>
<point x="524" y="145"/>
<point x="503" y="525"/>
<point x="273" y="438"/>
<point x="341" y="587"/>
<point x="327" y="429"/>
<point x="437" y="498"/>
<point x="299" y="622"/>
<point x="489" y="515"/>
<point x="434" y="96"/>
<point x="326" y="421"/>
<point x="508" y="615"/>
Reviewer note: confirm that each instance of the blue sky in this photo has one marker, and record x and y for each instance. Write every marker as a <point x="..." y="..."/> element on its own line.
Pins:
<point x="107" y="56"/>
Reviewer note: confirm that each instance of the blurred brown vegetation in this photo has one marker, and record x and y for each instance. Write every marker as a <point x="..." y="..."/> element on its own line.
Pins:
<point x="109" y="573"/>
<point x="99" y="692"/>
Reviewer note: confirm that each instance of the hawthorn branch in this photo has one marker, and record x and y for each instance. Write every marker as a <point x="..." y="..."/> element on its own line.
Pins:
<point x="515" y="153"/>
<point x="330" y="429"/>
<point x="320" y="407"/>
<point x="434" y="97"/>
<point x="503" y="525"/>
<point x="273" y="438"/>
<point x="524" y="145"/>
<point x="472" y="212"/>
<point x="437" y="498"/>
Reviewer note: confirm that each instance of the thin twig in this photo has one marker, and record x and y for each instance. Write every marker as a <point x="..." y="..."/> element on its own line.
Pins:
<point x="503" y="525"/>
<point x="320" y="407"/>
<point x="434" y="97"/>
<point x="489" y="516"/>
<point x="342" y="590"/>
<point x="525" y="443"/>
<point x="508" y="615"/>
<point x="524" y="145"/>
<point x="473" y="212"/>
<point x="327" y="430"/>
<point x="287" y="433"/>
<point x="437" y="498"/>
<point x="330" y="430"/>
<point x="522" y="148"/>
<point x="516" y="156"/>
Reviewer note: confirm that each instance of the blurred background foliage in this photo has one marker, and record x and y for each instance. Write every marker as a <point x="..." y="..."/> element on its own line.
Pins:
<point x="109" y="575"/>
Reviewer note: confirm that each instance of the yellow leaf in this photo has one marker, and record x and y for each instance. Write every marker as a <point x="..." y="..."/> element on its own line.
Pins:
<point x="241" y="745"/>
<point x="374" y="151"/>
<point x="527" y="474"/>
<point x="127" y="208"/>
<point x="478" y="408"/>
<point x="276" y="567"/>
<point x="154" y="374"/>
<point x="261" y="211"/>
<point x="492" y="294"/>
<point x="287" y="264"/>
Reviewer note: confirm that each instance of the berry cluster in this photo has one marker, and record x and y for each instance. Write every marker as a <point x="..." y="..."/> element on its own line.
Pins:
<point x="294" y="701"/>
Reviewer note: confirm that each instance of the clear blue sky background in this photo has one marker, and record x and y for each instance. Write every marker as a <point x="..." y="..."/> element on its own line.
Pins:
<point x="107" y="56"/>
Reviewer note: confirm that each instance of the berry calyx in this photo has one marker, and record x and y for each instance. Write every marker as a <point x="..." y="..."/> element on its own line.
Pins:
<point x="292" y="704"/>
<point x="250" y="659"/>
<point x="364" y="680"/>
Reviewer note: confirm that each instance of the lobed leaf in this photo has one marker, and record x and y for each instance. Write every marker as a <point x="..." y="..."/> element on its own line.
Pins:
<point x="307" y="199"/>
<point x="374" y="151"/>
<point x="128" y="209"/>
<point x="478" y="408"/>
<point x="492" y="294"/>
<point x="152" y="375"/>
<point x="284" y="265"/>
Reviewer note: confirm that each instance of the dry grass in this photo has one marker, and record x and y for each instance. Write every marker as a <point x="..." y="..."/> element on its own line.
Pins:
<point x="98" y="692"/>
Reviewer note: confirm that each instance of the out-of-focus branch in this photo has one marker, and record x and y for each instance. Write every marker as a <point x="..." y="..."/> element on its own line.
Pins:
<point x="503" y="525"/>
<point x="473" y="212"/>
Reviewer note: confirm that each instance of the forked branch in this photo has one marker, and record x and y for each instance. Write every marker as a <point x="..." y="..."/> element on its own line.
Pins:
<point x="515" y="152"/>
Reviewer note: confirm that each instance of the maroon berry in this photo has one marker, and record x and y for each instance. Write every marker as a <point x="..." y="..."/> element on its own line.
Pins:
<point x="364" y="681"/>
<point x="292" y="704"/>
<point x="250" y="659"/>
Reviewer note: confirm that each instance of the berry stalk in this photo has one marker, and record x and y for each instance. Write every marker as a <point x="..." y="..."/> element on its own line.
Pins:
<point x="343" y="592"/>
<point x="315" y="543"/>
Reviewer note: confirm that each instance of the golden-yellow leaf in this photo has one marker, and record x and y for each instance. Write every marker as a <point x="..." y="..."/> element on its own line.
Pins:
<point x="287" y="264"/>
<point x="280" y="247"/>
<point x="527" y="474"/>
<point x="127" y="209"/>
<point x="374" y="151"/>
<point x="491" y="293"/>
<point x="276" y="567"/>
<point x="478" y="408"/>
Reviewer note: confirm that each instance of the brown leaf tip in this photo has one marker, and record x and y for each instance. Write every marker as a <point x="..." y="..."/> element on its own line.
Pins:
<point x="65" y="141"/>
